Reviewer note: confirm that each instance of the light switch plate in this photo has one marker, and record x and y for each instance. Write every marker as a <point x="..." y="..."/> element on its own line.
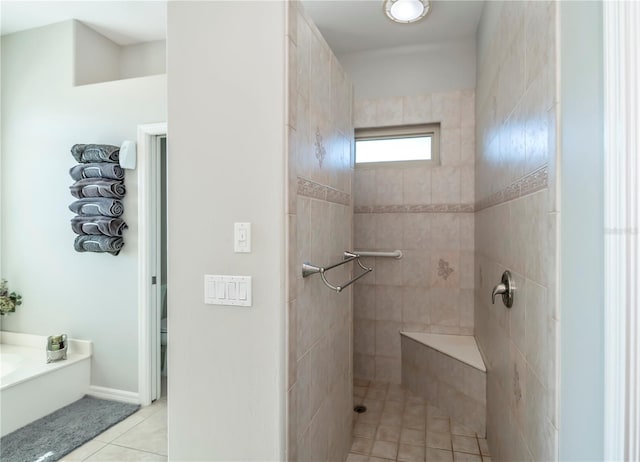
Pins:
<point x="227" y="290"/>
<point x="242" y="237"/>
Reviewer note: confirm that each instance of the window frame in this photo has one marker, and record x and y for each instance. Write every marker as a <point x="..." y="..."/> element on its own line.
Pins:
<point x="400" y="131"/>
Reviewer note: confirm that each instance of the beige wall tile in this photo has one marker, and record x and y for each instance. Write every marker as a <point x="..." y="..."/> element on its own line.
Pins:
<point x="303" y="39"/>
<point x="364" y="366"/>
<point x="466" y="307"/>
<point x="292" y="84"/>
<point x="517" y="313"/>
<point x="538" y="125"/>
<point x="389" y="111"/>
<point x="541" y="330"/>
<point x="364" y="301"/>
<point x="467" y="184"/>
<point x="388" y="186"/>
<point x="467" y="145"/>
<point x="416" y="268"/>
<point x="538" y="430"/>
<point x="389" y="303"/>
<point x="416" y="229"/>
<point x="446" y="109"/>
<point x="364" y="230"/>
<point x="416" y="184"/>
<point x="445" y="269"/>
<point x="390" y="271"/>
<point x="312" y="322"/>
<point x="417" y="109"/>
<point x="445" y="231"/>
<point x="467" y="269"/>
<point x="467" y="108"/>
<point x="292" y="343"/>
<point x="388" y="339"/>
<point x="319" y="322"/>
<point x="364" y="336"/>
<point x="518" y="380"/>
<point x="516" y="90"/>
<point x="388" y="369"/>
<point x="315" y="446"/>
<point x="364" y="186"/>
<point x="364" y="113"/>
<point x="389" y="227"/>
<point x="450" y="146"/>
<point x="444" y="307"/>
<point x="415" y="306"/>
<point x="312" y="383"/>
<point x="445" y="185"/>
<point x="511" y="77"/>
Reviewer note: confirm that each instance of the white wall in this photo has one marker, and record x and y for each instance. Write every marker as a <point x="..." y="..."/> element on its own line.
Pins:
<point x="226" y="156"/>
<point x="143" y="59"/>
<point x="412" y="71"/>
<point x="582" y="232"/>
<point x="99" y="59"/>
<point x="88" y="296"/>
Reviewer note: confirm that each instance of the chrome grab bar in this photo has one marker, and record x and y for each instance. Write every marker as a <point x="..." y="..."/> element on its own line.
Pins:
<point x="308" y="269"/>
<point x="397" y="254"/>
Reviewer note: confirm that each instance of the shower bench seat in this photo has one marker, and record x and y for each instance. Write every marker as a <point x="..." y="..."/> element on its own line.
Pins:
<point x="448" y="371"/>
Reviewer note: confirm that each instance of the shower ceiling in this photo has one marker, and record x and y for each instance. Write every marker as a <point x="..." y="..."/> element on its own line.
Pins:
<point x="358" y="25"/>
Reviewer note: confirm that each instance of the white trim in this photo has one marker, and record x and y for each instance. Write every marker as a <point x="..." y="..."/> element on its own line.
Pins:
<point x="146" y="134"/>
<point x="622" y="241"/>
<point x="114" y="394"/>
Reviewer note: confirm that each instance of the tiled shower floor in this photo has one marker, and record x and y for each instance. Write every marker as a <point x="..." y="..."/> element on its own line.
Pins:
<point x="399" y="426"/>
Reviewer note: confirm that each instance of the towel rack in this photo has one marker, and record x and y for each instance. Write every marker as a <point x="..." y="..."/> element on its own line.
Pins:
<point x="397" y="254"/>
<point x="308" y="269"/>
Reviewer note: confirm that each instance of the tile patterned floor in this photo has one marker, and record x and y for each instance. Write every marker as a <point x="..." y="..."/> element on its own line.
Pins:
<point x="399" y="426"/>
<point x="140" y="437"/>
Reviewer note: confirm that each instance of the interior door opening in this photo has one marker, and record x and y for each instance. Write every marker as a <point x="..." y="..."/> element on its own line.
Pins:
<point x="152" y="169"/>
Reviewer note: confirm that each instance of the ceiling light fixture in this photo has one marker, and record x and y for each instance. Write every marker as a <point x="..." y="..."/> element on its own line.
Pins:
<point x="406" y="11"/>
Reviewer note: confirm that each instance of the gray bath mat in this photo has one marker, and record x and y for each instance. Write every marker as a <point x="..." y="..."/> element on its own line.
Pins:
<point x="57" y="434"/>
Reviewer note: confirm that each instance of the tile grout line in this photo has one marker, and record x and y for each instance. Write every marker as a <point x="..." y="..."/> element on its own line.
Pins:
<point x="94" y="452"/>
<point x="112" y="442"/>
<point x="137" y="449"/>
<point x="377" y="424"/>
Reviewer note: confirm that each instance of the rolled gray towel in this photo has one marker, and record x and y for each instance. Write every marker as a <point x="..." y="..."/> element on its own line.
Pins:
<point x="95" y="206"/>
<point x="96" y="187"/>
<point x="113" y="227"/>
<point x="106" y="244"/>
<point x="97" y="170"/>
<point x="85" y="153"/>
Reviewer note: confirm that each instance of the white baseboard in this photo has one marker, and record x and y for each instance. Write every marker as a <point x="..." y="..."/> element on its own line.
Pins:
<point x="114" y="394"/>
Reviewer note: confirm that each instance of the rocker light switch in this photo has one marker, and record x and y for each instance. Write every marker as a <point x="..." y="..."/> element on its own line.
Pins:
<point x="227" y="290"/>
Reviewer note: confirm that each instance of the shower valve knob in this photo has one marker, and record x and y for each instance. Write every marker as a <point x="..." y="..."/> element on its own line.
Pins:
<point x="506" y="289"/>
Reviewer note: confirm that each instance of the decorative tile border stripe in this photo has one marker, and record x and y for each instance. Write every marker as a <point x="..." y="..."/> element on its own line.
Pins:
<point x="533" y="182"/>
<point x="319" y="191"/>
<point x="422" y="208"/>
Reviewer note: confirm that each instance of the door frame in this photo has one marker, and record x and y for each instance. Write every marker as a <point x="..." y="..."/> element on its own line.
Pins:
<point x="148" y="295"/>
<point x="622" y="257"/>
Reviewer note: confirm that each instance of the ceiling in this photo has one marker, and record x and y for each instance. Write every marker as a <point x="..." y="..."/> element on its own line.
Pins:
<point x="124" y="22"/>
<point x="351" y="26"/>
<point x="347" y="25"/>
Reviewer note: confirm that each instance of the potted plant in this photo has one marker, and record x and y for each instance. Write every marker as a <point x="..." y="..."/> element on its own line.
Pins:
<point x="8" y="300"/>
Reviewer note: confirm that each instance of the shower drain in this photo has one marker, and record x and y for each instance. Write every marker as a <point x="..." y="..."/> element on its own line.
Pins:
<point x="360" y="409"/>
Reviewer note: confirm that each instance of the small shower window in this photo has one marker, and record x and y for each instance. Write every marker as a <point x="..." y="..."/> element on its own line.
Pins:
<point x="408" y="143"/>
